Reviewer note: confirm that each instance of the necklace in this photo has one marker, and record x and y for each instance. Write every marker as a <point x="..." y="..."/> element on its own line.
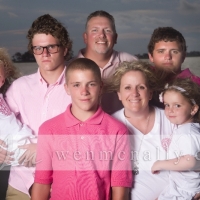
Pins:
<point x="136" y="161"/>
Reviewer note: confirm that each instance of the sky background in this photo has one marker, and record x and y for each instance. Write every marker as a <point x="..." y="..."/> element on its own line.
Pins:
<point x="135" y="20"/>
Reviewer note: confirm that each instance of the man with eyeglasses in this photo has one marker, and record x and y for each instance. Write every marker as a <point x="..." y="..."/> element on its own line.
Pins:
<point x="38" y="97"/>
<point x="100" y="36"/>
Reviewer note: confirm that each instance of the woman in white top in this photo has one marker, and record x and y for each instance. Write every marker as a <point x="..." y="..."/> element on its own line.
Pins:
<point x="134" y="83"/>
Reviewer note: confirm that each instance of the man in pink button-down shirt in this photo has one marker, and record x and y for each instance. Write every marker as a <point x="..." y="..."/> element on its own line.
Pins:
<point x="38" y="97"/>
<point x="100" y="36"/>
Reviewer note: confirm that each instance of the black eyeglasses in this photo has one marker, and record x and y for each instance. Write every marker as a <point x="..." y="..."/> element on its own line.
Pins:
<point x="52" y="48"/>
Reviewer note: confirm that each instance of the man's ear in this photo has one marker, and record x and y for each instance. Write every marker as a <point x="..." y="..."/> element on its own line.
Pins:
<point x="66" y="89"/>
<point x="194" y="110"/>
<point x="183" y="57"/>
<point x="150" y="57"/>
<point x="116" y="36"/>
<point x="85" y="37"/>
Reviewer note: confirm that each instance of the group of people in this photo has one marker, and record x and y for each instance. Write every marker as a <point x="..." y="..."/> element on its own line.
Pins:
<point x="57" y="132"/>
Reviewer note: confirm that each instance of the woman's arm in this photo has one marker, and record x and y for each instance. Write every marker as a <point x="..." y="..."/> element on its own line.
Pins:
<point x="40" y="191"/>
<point x="120" y="193"/>
<point x="181" y="163"/>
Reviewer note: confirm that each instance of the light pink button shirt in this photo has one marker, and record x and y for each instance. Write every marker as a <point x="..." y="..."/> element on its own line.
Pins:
<point x="110" y="102"/>
<point x="34" y="102"/>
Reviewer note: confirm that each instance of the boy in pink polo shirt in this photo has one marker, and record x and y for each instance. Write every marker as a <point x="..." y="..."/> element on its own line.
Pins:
<point x="84" y="153"/>
<point x="167" y="50"/>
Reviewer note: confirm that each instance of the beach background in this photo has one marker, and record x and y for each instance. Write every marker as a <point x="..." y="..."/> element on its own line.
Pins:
<point x="193" y="63"/>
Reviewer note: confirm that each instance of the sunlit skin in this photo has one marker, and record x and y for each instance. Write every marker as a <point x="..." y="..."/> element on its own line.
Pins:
<point x="85" y="89"/>
<point x="2" y="75"/>
<point x="134" y="93"/>
<point x="99" y="36"/>
<point x="177" y="109"/>
<point x="47" y="62"/>
<point x="167" y="56"/>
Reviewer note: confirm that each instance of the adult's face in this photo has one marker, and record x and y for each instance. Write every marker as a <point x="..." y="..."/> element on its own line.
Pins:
<point x="167" y="56"/>
<point x="47" y="61"/>
<point x="134" y="93"/>
<point x="100" y="36"/>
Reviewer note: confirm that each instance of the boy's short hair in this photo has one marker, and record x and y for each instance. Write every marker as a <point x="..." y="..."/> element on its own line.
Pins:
<point x="101" y="13"/>
<point x="83" y="64"/>
<point x="49" y="25"/>
<point x="167" y="34"/>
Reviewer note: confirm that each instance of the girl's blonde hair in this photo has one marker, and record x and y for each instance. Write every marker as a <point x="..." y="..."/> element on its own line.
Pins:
<point x="11" y="72"/>
<point x="189" y="90"/>
<point x="113" y="83"/>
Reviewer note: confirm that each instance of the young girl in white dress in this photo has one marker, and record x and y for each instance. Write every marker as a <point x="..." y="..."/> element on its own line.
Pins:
<point x="181" y="99"/>
<point x="12" y="132"/>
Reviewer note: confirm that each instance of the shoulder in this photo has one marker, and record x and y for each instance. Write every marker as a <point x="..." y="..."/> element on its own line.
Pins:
<point x="114" y="123"/>
<point x="53" y="125"/>
<point x="124" y="56"/>
<point x="25" y="79"/>
<point x="119" y="115"/>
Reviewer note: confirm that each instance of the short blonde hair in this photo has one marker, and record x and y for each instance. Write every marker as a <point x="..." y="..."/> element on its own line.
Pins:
<point x="11" y="72"/>
<point x="113" y="83"/>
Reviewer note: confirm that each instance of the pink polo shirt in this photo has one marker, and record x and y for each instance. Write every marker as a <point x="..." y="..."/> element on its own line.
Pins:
<point x="186" y="73"/>
<point x="83" y="160"/>
<point x="34" y="102"/>
<point x="109" y="101"/>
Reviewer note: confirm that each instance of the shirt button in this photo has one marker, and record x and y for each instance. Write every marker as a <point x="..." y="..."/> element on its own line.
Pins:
<point x="82" y="137"/>
<point x="81" y="124"/>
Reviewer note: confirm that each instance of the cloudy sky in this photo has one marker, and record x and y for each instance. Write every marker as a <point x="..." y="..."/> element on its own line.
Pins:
<point x="135" y="20"/>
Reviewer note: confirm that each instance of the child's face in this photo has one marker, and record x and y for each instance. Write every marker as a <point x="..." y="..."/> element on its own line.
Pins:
<point x="84" y="88"/>
<point x="177" y="109"/>
<point x="167" y="56"/>
<point x="2" y="75"/>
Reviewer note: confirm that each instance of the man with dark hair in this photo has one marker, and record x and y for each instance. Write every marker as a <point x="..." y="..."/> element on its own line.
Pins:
<point x="38" y="97"/>
<point x="100" y="36"/>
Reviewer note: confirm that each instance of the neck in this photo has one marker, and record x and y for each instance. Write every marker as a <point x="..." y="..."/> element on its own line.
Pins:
<point x="100" y="59"/>
<point x="82" y="115"/>
<point x="143" y="121"/>
<point x="51" y="76"/>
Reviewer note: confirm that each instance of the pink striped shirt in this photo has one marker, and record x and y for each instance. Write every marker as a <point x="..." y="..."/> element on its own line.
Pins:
<point x="34" y="102"/>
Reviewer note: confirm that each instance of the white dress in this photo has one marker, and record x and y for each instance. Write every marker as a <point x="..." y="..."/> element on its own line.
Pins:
<point x="12" y="132"/>
<point x="148" y="186"/>
<point x="183" y="185"/>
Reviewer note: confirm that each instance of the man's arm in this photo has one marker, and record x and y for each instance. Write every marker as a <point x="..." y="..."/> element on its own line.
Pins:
<point x="181" y="163"/>
<point x="40" y="191"/>
<point x="120" y="193"/>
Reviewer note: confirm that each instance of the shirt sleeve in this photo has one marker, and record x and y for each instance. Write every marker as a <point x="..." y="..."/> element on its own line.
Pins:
<point x="44" y="169"/>
<point x="121" y="175"/>
<point x="11" y="99"/>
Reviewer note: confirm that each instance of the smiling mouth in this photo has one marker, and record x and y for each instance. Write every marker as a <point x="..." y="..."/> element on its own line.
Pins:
<point x="101" y="42"/>
<point x="134" y="101"/>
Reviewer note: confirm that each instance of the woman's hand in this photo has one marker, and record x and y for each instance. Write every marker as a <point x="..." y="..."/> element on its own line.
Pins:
<point x="196" y="197"/>
<point x="155" y="169"/>
<point x="5" y="156"/>
<point x="29" y="156"/>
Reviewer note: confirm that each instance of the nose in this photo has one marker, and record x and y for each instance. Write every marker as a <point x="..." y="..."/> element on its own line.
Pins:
<point x="170" y="109"/>
<point x="102" y="33"/>
<point x="84" y="90"/>
<point x="45" y="52"/>
<point x="134" y="92"/>
<point x="168" y="55"/>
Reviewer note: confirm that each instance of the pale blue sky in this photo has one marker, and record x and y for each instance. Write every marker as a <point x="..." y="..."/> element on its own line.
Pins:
<point x="135" y="20"/>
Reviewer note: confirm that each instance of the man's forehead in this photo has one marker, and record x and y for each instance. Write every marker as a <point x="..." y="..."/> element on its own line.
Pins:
<point x="99" y="20"/>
